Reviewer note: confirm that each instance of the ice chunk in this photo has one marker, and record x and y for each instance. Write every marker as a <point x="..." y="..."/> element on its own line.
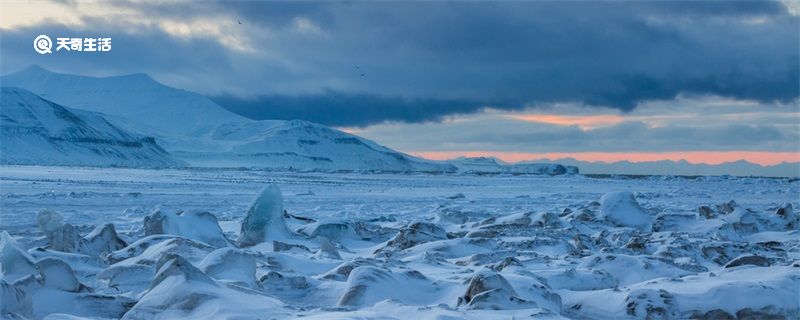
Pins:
<point x="276" y="282"/>
<point x="127" y="278"/>
<point x="327" y="249"/>
<point x="372" y="232"/>
<point x="49" y="221"/>
<point x="58" y="274"/>
<point x="368" y="285"/>
<point x="748" y="259"/>
<point x="736" y="293"/>
<point x="174" y="265"/>
<point x="15" y="263"/>
<point x="621" y="208"/>
<point x="101" y="240"/>
<point x="14" y="303"/>
<point x="650" y="304"/>
<point x="200" y="226"/>
<point x="60" y="236"/>
<point x="149" y="250"/>
<point x="136" y="264"/>
<point x="790" y="218"/>
<point x="546" y="219"/>
<point x="56" y="289"/>
<point x="264" y="218"/>
<point x="674" y="221"/>
<point x="519" y="219"/>
<point x="727" y="207"/>
<point x="706" y="212"/>
<point x="65" y="238"/>
<point x="342" y="272"/>
<point x="181" y="291"/>
<point x="489" y="290"/>
<point x="458" y="215"/>
<point x="580" y="280"/>
<point x="136" y="248"/>
<point x="279" y="246"/>
<point x="457" y="196"/>
<point x="174" y="288"/>
<point x="334" y="230"/>
<point x="414" y="234"/>
<point x="628" y="269"/>
<point x="230" y="264"/>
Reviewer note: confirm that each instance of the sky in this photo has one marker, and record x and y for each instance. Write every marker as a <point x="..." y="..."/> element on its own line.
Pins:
<point x="705" y="81"/>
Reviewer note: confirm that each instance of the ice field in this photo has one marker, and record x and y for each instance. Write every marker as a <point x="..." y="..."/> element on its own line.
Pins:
<point x="216" y="243"/>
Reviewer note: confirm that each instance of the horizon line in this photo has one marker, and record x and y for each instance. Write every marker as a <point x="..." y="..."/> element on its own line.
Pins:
<point x="761" y="158"/>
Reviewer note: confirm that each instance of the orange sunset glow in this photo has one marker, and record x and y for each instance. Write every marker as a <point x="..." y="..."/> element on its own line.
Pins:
<point x="707" y="157"/>
<point x="585" y="122"/>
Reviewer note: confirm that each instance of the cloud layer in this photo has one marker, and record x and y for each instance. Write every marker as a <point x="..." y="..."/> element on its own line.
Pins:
<point x="680" y="125"/>
<point x="427" y="61"/>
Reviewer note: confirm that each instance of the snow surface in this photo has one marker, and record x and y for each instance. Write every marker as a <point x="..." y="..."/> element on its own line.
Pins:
<point x="395" y="246"/>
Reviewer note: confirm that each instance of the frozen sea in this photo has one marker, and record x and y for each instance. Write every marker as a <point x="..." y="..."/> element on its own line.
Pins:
<point x="546" y="247"/>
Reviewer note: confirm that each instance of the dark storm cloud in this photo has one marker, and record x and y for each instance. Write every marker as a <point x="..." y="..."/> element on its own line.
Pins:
<point x="341" y="109"/>
<point x="150" y="51"/>
<point x="512" y="54"/>
<point x="424" y="61"/>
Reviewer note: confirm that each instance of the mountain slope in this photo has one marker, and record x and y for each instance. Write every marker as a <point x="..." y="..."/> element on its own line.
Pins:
<point x="195" y="129"/>
<point x="304" y="145"/>
<point x="154" y="108"/>
<point x="37" y="131"/>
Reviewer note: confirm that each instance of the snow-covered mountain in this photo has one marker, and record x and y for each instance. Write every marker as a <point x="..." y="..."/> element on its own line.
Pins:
<point x="195" y="129"/>
<point x="153" y="107"/>
<point x="304" y="145"/>
<point x="36" y="131"/>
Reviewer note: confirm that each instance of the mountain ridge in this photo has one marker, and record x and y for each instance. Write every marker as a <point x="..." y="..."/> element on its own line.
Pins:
<point x="38" y="131"/>
<point x="198" y="131"/>
<point x="153" y="107"/>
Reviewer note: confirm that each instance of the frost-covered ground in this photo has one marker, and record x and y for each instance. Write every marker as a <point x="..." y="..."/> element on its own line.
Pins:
<point x="394" y="246"/>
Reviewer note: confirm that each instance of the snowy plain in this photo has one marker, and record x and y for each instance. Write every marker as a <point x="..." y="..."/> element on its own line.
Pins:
<point x="402" y="246"/>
